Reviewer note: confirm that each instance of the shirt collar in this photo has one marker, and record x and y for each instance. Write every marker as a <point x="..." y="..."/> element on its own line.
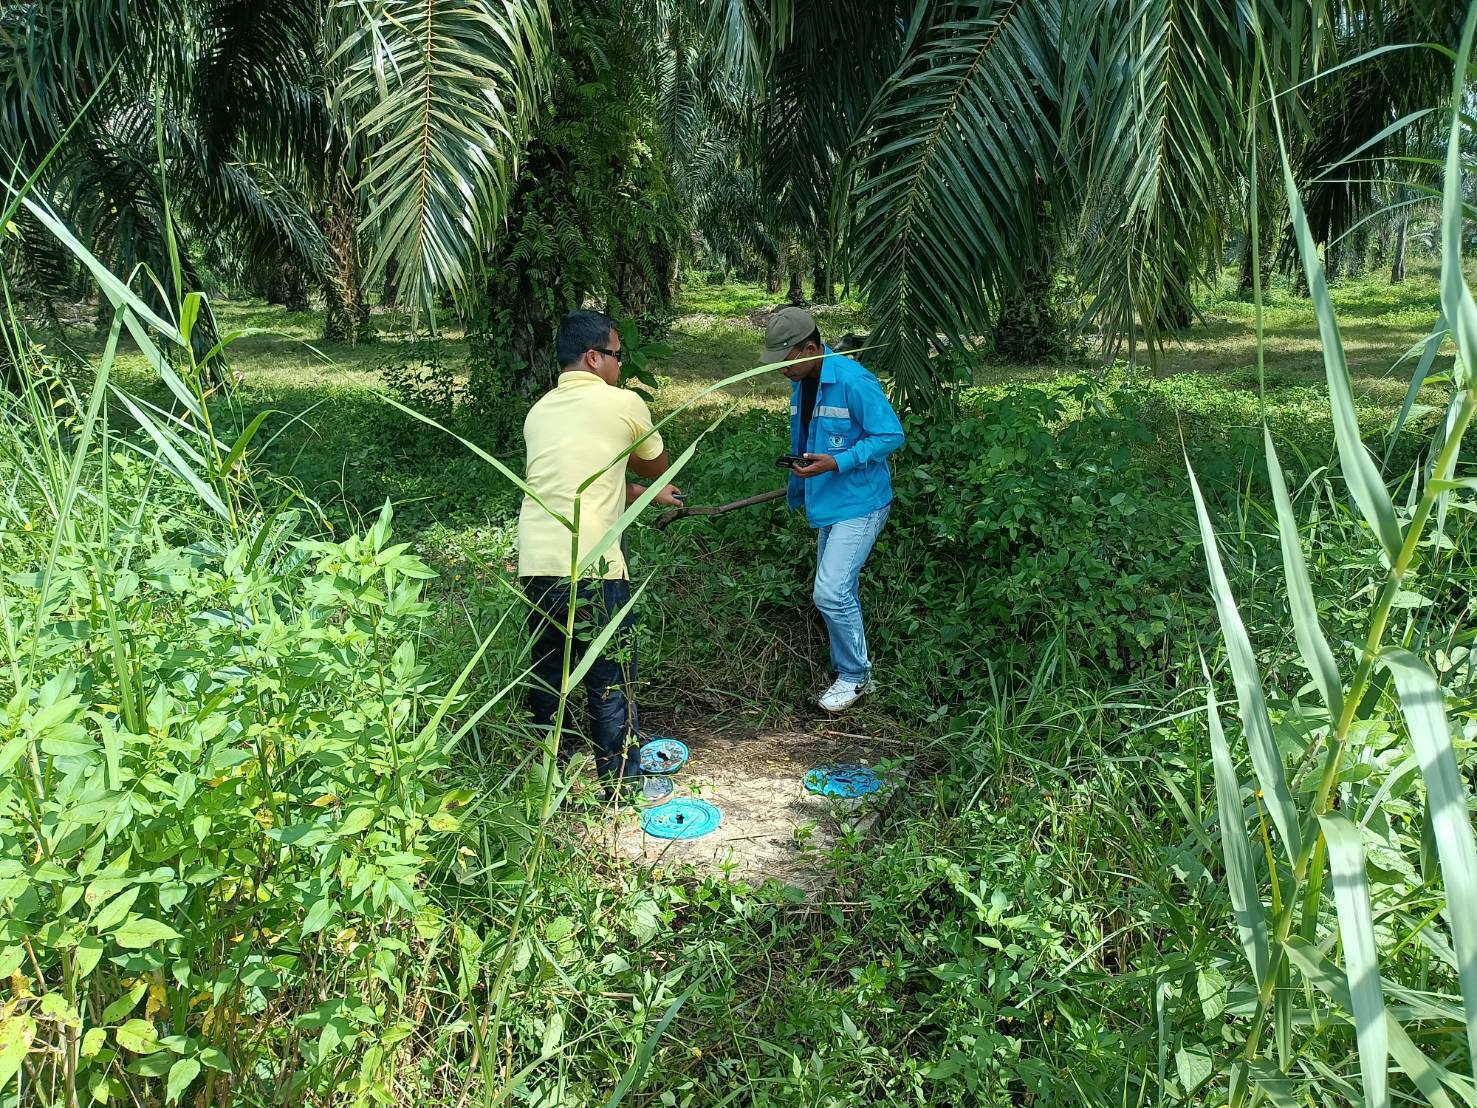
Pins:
<point x="574" y="378"/>
<point x="830" y="369"/>
<point x="829" y="374"/>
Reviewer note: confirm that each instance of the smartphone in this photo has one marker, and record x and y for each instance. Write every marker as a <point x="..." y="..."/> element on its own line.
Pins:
<point x="791" y="461"/>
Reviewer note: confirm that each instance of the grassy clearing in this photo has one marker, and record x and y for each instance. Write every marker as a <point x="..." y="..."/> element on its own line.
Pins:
<point x="1039" y="923"/>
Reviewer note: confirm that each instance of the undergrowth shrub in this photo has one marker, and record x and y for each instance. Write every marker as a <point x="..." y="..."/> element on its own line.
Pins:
<point x="218" y="792"/>
<point x="1020" y="518"/>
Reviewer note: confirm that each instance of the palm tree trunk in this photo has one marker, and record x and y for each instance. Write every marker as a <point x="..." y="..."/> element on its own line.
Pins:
<point x="1245" y="286"/>
<point x="1358" y="252"/>
<point x="294" y="288"/>
<point x="796" y="294"/>
<point x="344" y="310"/>
<point x="821" y="290"/>
<point x="772" y="279"/>
<point x="390" y="294"/>
<point x="1397" y="270"/>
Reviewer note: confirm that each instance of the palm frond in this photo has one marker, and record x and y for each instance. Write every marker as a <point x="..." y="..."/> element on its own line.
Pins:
<point x="258" y="85"/>
<point x="947" y="194"/>
<point x="440" y="95"/>
<point x="1159" y="143"/>
<point x="1351" y="147"/>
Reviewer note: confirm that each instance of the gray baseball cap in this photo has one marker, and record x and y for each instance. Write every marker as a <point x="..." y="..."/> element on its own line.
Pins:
<point x="786" y="329"/>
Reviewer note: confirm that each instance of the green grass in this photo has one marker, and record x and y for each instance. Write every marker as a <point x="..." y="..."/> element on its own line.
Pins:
<point x="1038" y="921"/>
<point x="280" y="363"/>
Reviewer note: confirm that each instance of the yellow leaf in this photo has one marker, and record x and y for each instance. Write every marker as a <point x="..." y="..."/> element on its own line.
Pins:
<point x="325" y="800"/>
<point x="158" y="997"/>
<point x="20" y="985"/>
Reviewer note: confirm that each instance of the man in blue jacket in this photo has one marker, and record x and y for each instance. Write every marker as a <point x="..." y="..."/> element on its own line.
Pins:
<point x="844" y="427"/>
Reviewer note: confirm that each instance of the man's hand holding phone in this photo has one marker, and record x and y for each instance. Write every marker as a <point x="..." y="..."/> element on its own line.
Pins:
<point x="808" y="465"/>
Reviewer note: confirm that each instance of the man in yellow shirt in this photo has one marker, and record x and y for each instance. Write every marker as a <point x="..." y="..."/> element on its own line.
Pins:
<point x="585" y="433"/>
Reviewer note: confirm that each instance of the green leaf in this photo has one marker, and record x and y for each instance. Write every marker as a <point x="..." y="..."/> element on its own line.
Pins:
<point x="1359" y="470"/>
<point x="1361" y="961"/>
<point x="140" y="933"/>
<point x="319" y="914"/>
<point x="180" y="1075"/>
<point x="1450" y="821"/>
<point x="1251" y="922"/>
<point x="113" y="913"/>
<point x="355" y="822"/>
<point x="1211" y="988"/>
<point x="125" y="1003"/>
<point x="244" y="440"/>
<point x="11" y="752"/>
<point x="138" y="1036"/>
<point x="93" y="1041"/>
<point x="1456" y="297"/>
<point x="89" y="952"/>
<point x="1265" y="756"/>
<point x="17" y="1032"/>
<point x="1314" y="647"/>
<point x="553" y="1035"/>
<point x="1194" y="1066"/>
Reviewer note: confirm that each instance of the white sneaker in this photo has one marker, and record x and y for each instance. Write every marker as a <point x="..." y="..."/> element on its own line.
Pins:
<point x="843" y="694"/>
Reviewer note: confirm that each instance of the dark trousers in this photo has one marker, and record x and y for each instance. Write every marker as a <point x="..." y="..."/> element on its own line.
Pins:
<point x="609" y="683"/>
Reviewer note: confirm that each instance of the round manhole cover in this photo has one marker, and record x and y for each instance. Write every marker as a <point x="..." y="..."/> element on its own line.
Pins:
<point x="663" y="756"/>
<point x="841" y="780"/>
<point x="682" y="819"/>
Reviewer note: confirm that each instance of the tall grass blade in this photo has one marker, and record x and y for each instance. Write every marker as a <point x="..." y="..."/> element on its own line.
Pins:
<point x="1360" y="473"/>
<point x="1429" y="1077"/>
<point x="1456" y="297"/>
<point x="522" y="485"/>
<point x="171" y="457"/>
<point x="1251" y="703"/>
<point x="125" y="299"/>
<point x="1417" y="382"/>
<point x="637" y="506"/>
<point x="592" y="654"/>
<point x="1361" y="962"/>
<point x="1451" y="822"/>
<point x="1314" y="646"/>
<point x="1275" y="1085"/>
<point x="633" y="1075"/>
<point x="1251" y="923"/>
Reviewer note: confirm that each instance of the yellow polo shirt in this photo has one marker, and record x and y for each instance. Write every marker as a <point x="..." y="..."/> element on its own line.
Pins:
<point x="572" y="432"/>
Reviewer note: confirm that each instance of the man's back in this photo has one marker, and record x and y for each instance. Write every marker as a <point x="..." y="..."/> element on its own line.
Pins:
<point x="574" y="431"/>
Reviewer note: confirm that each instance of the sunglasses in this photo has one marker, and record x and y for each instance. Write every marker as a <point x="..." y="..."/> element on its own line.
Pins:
<point x="618" y="355"/>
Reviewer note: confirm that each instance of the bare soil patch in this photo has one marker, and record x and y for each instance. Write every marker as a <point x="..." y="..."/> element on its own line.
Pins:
<point x="772" y="828"/>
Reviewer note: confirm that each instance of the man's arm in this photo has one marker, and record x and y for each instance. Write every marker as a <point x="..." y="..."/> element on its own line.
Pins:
<point x="649" y="467"/>
<point x="882" y="431"/>
<point x="649" y="459"/>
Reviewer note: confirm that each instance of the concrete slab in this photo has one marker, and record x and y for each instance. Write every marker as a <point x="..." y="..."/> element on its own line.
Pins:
<point x="772" y="829"/>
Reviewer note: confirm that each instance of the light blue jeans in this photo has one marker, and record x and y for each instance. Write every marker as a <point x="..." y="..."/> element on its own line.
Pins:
<point x="842" y="550"/>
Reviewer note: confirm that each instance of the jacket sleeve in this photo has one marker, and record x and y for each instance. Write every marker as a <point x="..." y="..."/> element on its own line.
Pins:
<point x="882" y="431"/>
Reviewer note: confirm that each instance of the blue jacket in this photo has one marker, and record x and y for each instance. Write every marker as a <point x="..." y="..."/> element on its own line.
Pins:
<point x="854" y="423"/>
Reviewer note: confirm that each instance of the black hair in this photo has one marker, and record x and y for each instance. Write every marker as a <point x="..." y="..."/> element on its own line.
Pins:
<point x="580" y="331"/>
